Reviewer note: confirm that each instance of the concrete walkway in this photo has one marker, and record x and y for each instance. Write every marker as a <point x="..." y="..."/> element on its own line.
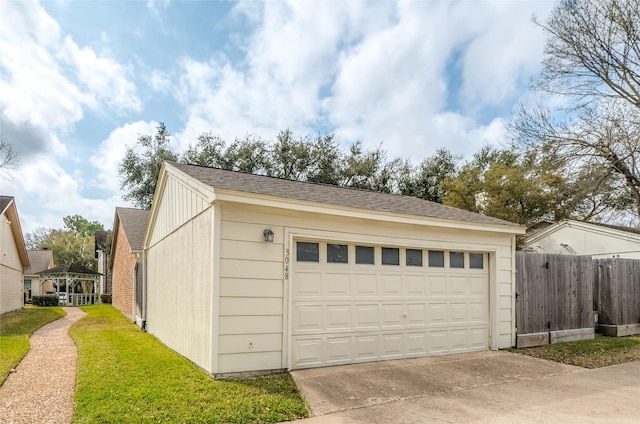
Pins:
<point x="42" y="387"/>
<point x="484" y="387"/>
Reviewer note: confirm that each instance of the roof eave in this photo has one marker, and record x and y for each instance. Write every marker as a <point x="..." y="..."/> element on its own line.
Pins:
<point x="330" y="209"/>
<point x="16" y="230"/>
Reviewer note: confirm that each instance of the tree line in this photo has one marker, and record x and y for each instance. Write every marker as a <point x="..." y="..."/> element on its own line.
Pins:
<point x="578" y="158"/>
<point x="518" y="185"/>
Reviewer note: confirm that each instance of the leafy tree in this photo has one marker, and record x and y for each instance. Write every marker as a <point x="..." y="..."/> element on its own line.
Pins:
<point x="291" y="157"/>
<point x="368" y="170"/>
<point x="499" y="183"/>
<point x="327" y="161"/>
<point x="209" y="150"/>
<point x="140" y="170"/>
<point x="72" y="244"/>
<point x="592" y="63"/>
<point x="425" y="181"/>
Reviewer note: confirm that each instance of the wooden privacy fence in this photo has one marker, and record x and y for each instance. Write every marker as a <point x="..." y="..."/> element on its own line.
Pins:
<point x="616" y="287"/>
<point x="554" y="298"/>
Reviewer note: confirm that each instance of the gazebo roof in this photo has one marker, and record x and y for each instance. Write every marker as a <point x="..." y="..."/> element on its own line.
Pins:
<point x="69" y="269"/>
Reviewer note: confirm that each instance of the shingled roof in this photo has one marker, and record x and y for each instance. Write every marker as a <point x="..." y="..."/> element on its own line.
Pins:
<point x="332" y="195"/>
<point x="69" y="269"/>
<point x="39" y="261"/>
<point x="134" y="223"/>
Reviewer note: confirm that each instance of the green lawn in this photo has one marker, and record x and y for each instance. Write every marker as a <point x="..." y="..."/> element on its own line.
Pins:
<point x="599" y="352"/>
<point x="127" y="375"/>
<point x="15" y="329"/>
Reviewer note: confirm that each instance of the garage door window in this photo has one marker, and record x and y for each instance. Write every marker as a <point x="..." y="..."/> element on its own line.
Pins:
<point x="307" y="252"/>
<point x="436" y="258"/>
<point x="337" y="253"/>
<point x="390" y="256"/>
<point x="414" y="257"/>
<point x="476" y="261"/>
<point x="456" y="259"/>
<point x="365" y="255"/>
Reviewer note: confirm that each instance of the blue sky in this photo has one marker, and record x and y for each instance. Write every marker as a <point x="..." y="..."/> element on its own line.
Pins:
<point x="80" y="80"/>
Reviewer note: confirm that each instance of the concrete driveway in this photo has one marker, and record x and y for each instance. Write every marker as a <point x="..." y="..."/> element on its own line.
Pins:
<point x="483" y="387"/>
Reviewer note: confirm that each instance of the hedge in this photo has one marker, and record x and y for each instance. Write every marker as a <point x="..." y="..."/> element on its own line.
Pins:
<point x="45" y="300"/>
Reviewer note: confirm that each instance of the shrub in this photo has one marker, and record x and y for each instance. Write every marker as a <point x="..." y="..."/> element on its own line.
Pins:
<point x="45" y="300"/>
<point x="105" y="298"/>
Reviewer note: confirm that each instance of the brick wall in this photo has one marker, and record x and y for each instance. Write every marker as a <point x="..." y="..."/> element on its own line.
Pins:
<point x="122" y="275"/>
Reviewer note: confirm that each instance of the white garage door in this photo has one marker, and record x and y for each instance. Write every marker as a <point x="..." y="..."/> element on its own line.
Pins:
<point x="356" y="303"/>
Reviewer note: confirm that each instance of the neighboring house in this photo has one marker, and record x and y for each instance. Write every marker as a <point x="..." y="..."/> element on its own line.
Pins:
<point x="13" y="257"/>
<point x="252" y="274"/>
<point x="584" y="238"/>
<point x="40" y="260"/>
<point x="103" y="259"/>
<point x="126" y="264"/>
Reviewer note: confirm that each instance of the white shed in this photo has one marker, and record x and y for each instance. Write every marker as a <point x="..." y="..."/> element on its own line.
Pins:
<point x="252" y="274"/>
<point x="572" y="237"/>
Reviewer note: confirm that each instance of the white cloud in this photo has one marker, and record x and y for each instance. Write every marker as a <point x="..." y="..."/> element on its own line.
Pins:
<point x="46" y="79"/>
<point x="160" y="81"/>
<point x="111" y="151"/>
<point x="415" y="74"/>
<point x="46" y="192"/>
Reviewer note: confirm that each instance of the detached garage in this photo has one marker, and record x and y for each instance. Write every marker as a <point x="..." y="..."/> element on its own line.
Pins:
<point x="252" y="274"/>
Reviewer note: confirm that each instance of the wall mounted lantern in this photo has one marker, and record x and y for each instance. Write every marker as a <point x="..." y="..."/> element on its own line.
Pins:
<point x="268" y="235"/>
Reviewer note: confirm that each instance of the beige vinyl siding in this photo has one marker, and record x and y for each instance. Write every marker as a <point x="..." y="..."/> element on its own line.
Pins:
<point x="179" y="203"/>
<point x="179" y="274"/>
<point x="11" y="273"/>
<point x="253" y="270"/>
<point x="577" y="238"/>
<point x="251" y="294"/>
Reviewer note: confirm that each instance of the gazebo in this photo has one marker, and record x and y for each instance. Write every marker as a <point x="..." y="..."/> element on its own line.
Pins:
<point x="74" y="284"/>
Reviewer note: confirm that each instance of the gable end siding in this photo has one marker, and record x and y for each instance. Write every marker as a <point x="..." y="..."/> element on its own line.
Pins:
<point x="178" y="204"/>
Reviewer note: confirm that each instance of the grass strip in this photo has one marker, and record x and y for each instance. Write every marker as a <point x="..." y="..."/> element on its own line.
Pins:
<point x="596" y="353"/>
<point x="127" y="375"/>
<point x="15" y="329"/>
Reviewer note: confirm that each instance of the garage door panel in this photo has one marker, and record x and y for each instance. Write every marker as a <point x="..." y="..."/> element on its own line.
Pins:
<point x="390" y="286"/>
<point x="366" y="317"/>
<point x="416" y="314"/>
<point x="307" y="318"/>
<point x="338" y="285"/>
<point x="478" y="312"/>
<point x="366" y="285"/>
<point x="478" y="285"/>
<point x="458" y="313"/>
<point x="436" y="314"/>
<point x="308" y="286"/>
<point x="457" y="286"/>
<point x="308" y="352"/>
<point x="366" y="347"/>
<point x="337" y="317"/>
<point x="416" y="343"/>
<point x="437" y="285"/>
<point x="416" y="286"/>
<point x="338" y="349"/>
<point x="458" y="339"/>
<point x="437" y="342"/>
<point x="391" y="345"/>
<point x="478" y="338"/>
<point x="391" y="315"/>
